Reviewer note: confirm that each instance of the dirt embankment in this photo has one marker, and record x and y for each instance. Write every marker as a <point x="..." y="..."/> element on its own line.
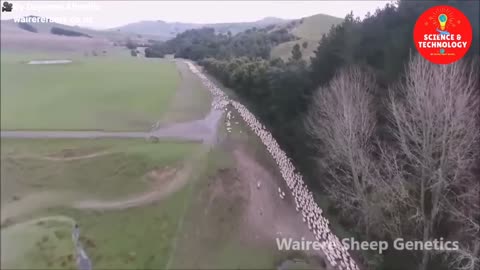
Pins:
<point x="265" y="216"/>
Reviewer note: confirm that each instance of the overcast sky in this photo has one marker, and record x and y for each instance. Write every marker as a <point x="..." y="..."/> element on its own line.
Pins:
<point x="107" y="14"/>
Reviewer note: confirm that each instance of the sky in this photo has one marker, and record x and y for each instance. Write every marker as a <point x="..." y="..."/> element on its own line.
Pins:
<point x="109" y="14"/>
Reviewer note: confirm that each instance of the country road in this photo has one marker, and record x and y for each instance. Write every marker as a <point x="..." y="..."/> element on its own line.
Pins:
<point x="30" y="134"/>
<point x="197" y="130"/>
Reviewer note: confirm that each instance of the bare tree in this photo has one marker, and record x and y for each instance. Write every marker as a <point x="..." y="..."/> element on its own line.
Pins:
<point x="343" y="120"/>
<point x="421" y="182"/>
<point x="436" y="130"/>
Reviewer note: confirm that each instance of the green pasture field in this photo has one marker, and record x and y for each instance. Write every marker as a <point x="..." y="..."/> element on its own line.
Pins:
<point x="113" y="92"/>
<point x="39" y="244"/>
<point x="154" y="236"/>
<point x="137" y="237"/>
<point x="119" y="169"/>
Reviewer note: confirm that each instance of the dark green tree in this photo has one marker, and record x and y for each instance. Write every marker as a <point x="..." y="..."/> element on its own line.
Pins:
<point x="27" y="27"/>
<point x="64" y="32"/>
<point x="130" y="44"/>
<point x="296" y="53"/>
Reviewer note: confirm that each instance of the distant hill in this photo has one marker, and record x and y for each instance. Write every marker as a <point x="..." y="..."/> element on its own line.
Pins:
<point x="309" y="30"/>
<point x="315" y="26"/>
<point x="38" y="35"/>
<point x="166" y="30"/>
<point x="158" y="28"/>
<point x="45" y="27"/>
<point x="30" y="36"/>
<point x="235" y="28"/>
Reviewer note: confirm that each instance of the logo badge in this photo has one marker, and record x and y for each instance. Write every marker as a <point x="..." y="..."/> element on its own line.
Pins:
<point x="442" y="34"/>
<point x="7" y="7"/>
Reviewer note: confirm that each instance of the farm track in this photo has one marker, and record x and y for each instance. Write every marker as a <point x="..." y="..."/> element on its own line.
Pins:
<point x="175" y="181"/>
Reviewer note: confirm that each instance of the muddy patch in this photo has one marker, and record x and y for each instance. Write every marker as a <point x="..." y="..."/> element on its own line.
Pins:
<point x="267" y="215"/>
<point x="160" y="176"/>
<point x="164" y="183"/>
<point x="227" y="195"/>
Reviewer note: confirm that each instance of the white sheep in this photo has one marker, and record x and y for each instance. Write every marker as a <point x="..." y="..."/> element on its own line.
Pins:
<point x="303" y="198"/>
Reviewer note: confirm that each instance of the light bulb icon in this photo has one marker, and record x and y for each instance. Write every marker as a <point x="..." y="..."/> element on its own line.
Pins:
<point x="442" y="19"/>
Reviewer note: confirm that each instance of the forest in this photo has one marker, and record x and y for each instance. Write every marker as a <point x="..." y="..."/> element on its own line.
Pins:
<point x="390" y="139"/>
<point x="198" y="44"/>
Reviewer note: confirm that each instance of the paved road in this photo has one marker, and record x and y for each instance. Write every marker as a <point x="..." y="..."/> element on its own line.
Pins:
<point x="70" y="134"/>
<point x="198" y="130"/>
<point x="201" y="130"/>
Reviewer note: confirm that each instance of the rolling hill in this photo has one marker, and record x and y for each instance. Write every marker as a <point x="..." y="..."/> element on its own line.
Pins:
<point x="15" y="35"/>
<point x="165" y="30"/>
<point x="159" y="28"/>
<point x="309" y="30"/>
<point x="38" y="36"/>
<point x="108" y="34"/>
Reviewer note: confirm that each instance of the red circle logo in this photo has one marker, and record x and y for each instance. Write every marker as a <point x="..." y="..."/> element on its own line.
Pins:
<point x="442" y="34"/>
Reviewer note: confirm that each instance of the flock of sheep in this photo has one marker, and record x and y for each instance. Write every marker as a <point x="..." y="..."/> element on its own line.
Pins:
<point x="334" y="250"/>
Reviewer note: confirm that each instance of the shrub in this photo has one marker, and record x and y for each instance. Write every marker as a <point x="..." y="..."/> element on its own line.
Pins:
<point x="27" y="27"/>
<point x="64" y="32"/>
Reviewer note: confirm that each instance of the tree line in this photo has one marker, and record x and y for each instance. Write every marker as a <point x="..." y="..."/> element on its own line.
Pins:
<point x="391" y="139"/>
<point x="198" y="44"/>
<point x="27" y="27"/>
<point x="65" y="32"/>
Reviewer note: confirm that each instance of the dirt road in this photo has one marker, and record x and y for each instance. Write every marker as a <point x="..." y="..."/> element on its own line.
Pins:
<point x="166" y="184"/>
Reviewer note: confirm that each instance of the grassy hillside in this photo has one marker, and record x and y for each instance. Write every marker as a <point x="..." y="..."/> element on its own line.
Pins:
<point x="315" y="26"/>
<point x="161" y="29"/>
<point x="166" y="30"/>
<point x="14" y="38"/>
<point x="111" y="35"/>
<point x="284" y="50"/>
<point x="40" y="38"/>
<point x="308" y="29"/>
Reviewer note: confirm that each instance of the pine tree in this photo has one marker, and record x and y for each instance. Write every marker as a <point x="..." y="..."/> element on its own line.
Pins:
<point x="296" y="53"/>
